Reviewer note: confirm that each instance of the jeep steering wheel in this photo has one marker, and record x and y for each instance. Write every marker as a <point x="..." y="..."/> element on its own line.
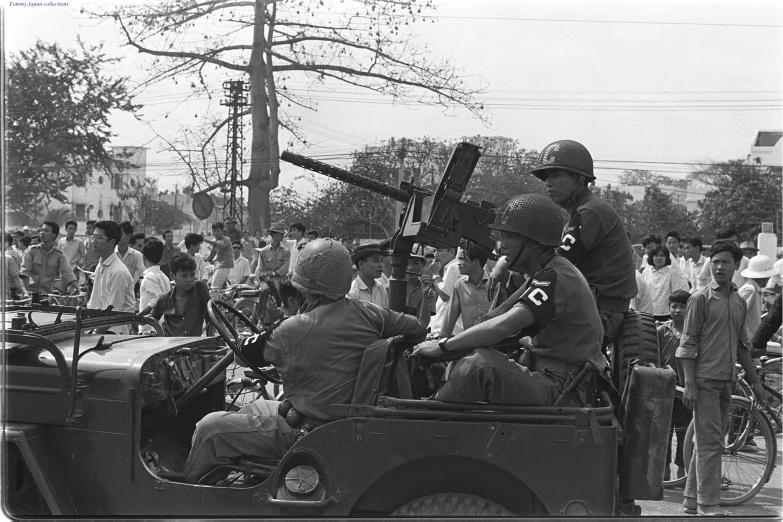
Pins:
<point x="231" y="336"/>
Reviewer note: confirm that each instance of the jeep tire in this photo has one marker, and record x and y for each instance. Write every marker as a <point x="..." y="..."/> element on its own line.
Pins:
<point x="449" y="505"/>
<point x="637" y="339"/>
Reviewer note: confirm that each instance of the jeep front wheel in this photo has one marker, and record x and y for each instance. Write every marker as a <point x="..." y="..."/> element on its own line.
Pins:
<point x="451" y="504"/>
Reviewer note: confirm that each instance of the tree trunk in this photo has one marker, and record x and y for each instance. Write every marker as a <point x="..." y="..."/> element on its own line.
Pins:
<point x="260" y="182"/>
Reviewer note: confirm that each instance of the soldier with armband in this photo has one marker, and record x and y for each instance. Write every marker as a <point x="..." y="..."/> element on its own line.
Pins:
<point x="556" y="302"/>
<point x="317" y="353"/>
<point x="594" y="238"/>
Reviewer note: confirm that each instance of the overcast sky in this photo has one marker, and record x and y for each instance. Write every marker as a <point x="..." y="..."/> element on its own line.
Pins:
<point x="671" y="83"/>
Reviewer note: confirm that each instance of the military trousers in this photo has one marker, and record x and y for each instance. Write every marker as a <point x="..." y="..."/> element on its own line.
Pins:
<point x="256" y="430"/>
<point x="487" y="375"/>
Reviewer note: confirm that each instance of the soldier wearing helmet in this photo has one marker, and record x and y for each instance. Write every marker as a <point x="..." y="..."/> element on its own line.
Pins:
<point x="317" y="353"/>
<point x="594" y="239"/>
<point x="556" y="305"/>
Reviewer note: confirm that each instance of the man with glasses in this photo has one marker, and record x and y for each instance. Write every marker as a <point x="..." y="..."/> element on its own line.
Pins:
<point x="113" y="281"/>
<point x="241" y="270"/>
<point x="45" y="262"/>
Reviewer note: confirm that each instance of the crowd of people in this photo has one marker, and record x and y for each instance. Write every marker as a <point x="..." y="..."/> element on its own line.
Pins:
<point x="566" y="274"/>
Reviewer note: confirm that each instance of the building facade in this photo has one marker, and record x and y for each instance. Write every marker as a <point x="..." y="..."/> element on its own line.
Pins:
<point x="98" y="196"/>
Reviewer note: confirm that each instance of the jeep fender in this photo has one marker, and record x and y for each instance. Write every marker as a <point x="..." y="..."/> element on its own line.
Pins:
<point x="29" y="439"/>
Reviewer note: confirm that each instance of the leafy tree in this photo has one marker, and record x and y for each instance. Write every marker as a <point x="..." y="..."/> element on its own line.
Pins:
<point x="646" y="178"/>
<point x="500" y="174"/>
<point x="743" y="195"/>
<point x="658" y="213"/>
<point x="623" y="203"/>
<point x="361" y="43"/>
<point x="57" y="127"/>
<point x="144" y="208"/>
<point x="59" y="216"/>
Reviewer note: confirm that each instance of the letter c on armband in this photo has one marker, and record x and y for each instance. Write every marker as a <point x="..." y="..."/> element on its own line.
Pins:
<point x="568" y="242"/>
<point x="534" y="295"/>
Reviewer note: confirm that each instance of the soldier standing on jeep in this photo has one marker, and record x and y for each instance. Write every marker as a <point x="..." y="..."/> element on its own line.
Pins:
<point x="556" y="301"/>
<point x="317" y="353"/>
<point x="594" y="239"/>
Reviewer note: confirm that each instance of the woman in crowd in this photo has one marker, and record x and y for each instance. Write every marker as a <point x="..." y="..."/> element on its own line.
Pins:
<point x="662" y="281"/>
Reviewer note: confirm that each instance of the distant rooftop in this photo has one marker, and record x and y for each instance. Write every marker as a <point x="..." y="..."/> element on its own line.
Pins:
<point x="767" y="138"/>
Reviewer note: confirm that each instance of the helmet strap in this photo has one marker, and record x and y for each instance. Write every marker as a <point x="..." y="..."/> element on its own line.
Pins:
<point x="580" y="187"/>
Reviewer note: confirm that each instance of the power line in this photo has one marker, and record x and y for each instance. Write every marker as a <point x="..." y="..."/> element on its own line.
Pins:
<point x="635" y="22"/>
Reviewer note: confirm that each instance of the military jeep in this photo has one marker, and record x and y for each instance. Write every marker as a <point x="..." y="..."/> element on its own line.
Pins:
<point x="100" y="425"/>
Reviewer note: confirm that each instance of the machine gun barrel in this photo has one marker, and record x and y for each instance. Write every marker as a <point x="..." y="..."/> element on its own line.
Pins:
<point x="347" y="177"/>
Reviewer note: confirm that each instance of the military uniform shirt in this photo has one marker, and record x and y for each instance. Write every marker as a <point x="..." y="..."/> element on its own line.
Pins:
<point x="594" y="240"/>
<point x="569" y="325"/>
<point x="273" y="259"/>
<point x="43" y="268"/>
<point x="318" y="353"/>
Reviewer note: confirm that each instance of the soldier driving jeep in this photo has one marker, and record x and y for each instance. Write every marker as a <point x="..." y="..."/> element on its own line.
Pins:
<point x="557" y="302"/>
<point x="317" y="353"/>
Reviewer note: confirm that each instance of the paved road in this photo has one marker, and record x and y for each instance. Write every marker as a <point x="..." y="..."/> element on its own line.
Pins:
<point x="767" y="503"/>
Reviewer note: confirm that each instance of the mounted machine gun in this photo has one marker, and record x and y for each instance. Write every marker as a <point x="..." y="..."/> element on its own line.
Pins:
<point x="439" y="220"/>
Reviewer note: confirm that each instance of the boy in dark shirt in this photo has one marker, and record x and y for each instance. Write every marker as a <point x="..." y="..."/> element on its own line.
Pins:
<point x="184" y="307"/>
<point x="669" y="334"/>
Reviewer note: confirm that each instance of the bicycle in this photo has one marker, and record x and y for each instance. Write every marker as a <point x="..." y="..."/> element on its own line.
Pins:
<point x="743" y="473"/>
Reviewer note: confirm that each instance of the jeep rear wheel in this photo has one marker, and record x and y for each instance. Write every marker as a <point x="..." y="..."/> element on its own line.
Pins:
<point x="637" y="339"/>
<point x="451" y="504"/>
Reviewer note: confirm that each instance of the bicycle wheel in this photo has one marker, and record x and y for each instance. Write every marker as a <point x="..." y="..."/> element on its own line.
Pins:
<point x="676" y="471"/>
<point x="743" y="474"/>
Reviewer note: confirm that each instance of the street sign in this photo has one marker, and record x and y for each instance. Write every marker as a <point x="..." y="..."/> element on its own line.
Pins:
<point x="203" y="205"/>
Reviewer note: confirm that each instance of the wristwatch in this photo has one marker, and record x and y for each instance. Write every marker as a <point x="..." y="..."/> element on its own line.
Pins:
<point x="442" y="344"/>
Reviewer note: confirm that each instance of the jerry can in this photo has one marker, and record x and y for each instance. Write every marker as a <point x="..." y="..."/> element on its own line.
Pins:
<point x="646" y="412"/>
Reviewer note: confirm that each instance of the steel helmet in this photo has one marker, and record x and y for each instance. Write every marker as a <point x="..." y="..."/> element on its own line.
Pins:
<point x="323" y="268"/>
<point x="418" y="251"/>
<point x="564" y="154"/>
<point x="531" y="215"/>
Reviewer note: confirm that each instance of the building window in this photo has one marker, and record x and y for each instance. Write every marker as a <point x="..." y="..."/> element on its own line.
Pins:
<point x="115" y="212"/>
<point x="100" y="180"/>
<point x="79" y="179"/>
<point x="116" y="181"/>
<point x="132" y="182"/>
<point x="80" y="212"/>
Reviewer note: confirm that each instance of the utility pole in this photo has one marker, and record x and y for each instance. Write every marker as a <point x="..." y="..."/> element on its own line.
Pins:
<point x="233" y="203"/>
<point x="401" y="154"/>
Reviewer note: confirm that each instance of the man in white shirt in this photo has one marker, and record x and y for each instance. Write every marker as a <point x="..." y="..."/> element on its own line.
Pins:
<point x="154" y="283"/>
<point x="777" y="277"/>
<point x="695" y="263"/>
<point x="132" y="258"/>
<point x="296" y="232"/>
<point x="241" y="270"/>
<point x="193" y="243"/>
<point x="758" y="273"/>
<point x="444" y="287"/>
<point x="113" y="282"/>
<point x="369" y="261"/>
